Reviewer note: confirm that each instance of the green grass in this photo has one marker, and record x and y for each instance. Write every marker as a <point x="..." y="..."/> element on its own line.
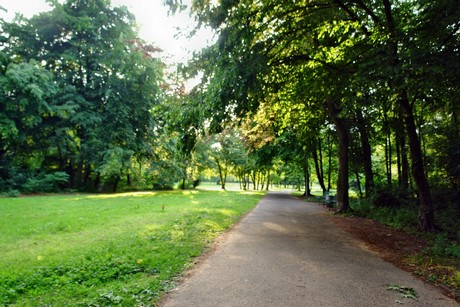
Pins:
<point x="107" y="249"/>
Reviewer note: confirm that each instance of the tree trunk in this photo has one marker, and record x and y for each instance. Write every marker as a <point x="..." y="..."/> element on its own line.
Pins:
<point x="403" y="163"/>
<point x="343" y="203"/>
<point x="115" y="184"/>
<point x="426" y="216"/>
<point x="306" y="174"/>
<point x="268" y="180"/>
<point x="318" y="167"/>
<point x="367" y="154"/>
<point x="358" y="182"/>
<point x="128" y="178"/>
<point x="329" y="169"/>
<point x="388" y="159"/>
<point x="221" y="174"/>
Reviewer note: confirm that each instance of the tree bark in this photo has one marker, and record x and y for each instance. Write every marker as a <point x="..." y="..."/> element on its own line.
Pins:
<point x="426" y="216"/>
<point x="318" y="166"/>
<point x="403" y="163"/>
<point x="388" y="157"/>
<point x="367" y="154"/>
<point x="306" y="174"/>
<point x="343" y="202"/>
<point x="329" y="169"/>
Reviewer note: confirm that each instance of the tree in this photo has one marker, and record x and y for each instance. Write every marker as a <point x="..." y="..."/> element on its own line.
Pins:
<point x="341" y="47"/>
<point x="105" y="72"/>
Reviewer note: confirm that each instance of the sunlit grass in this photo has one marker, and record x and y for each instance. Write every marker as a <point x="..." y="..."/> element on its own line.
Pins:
<point x="107" y="249"/>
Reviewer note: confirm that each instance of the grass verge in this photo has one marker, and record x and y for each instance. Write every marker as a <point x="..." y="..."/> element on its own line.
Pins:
<point x="114" y="249"/>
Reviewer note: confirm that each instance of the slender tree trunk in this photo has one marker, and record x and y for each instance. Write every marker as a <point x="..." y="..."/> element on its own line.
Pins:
<point x="318" y="168"/>
<point x="268" y="180"/>
<point x="128" y="178"/>
<point x="358" y="182"/>
<point x="115" y="184"/>
<point x="388" y="157"/>
<point x="343" y="203"/>
<point x="306" y="174"/>
<point x="367" y="154"/>
<point x="329" y="169"/>
<point x="225" y="170"/>
<point x="221" y="174"/>
<point x="403" y="163"/>
<point x="262" y="180"/>
<point x="97" y="182"/>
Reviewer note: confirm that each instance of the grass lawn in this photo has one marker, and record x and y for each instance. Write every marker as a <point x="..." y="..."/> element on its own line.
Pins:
<point x="107" y="249"/>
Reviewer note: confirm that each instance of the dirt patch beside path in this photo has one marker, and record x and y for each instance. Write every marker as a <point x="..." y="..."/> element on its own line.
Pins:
<point x="403" y="250"/>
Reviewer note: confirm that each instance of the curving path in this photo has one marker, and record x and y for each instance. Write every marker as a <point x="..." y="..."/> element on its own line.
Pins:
<point x="284" y="253"/>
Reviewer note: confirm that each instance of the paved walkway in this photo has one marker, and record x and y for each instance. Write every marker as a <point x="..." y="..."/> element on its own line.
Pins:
<point x="284" y="253"/>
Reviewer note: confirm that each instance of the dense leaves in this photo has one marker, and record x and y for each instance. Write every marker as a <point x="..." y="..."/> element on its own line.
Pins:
<point x="371" y="70"/>
<point x="78" y="88"/>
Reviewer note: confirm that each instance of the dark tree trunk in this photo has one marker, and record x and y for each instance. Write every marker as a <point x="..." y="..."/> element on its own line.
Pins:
<point x="367" y="154"/>
<point x="268" y="180"/>
<point x="329" y="169"/>
<point x="221" y="174"/>
<point x="306" y="174"/>
<point x="426" y="216"/>
<point x="115" y="184"/>
<point x="358" y="183"/>
<point x="343" y="203"/>
<point x="318" y="167"/>
<point x="128" y="178"/>
<point x="97" y="182"/>
<point x="388" y="159"/>
<point x="403" y="163"/>
<point x="262" y="180"/>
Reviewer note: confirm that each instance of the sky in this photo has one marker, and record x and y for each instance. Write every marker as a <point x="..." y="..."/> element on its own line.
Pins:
<point x="156" y="26"/>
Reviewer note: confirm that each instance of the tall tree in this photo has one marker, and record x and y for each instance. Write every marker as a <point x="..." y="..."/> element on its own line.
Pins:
<point x="110" y="75"/>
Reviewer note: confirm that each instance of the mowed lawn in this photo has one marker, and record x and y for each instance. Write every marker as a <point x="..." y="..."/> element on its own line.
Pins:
<point x="111" y="249"/>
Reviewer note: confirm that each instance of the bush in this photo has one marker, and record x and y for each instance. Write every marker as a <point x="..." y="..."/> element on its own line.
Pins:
<point x="386" y="199"/>
<point x="162" y="187"/>
<point x="10" y="193"/>
<point x="442" y="246"/>
<point x="188" y="184"/>
<point x="46" y="183"/>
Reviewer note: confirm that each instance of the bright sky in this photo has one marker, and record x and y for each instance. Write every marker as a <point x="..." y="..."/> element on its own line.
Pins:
<point x="155" y="25"/>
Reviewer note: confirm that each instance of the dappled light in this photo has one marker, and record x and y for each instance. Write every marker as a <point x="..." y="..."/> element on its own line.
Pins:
<point x="128" y="194"/>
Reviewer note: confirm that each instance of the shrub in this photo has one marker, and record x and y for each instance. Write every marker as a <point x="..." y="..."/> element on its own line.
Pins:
<point x="46" y="183"/>
<point x="162" y="187"/>
<point x="386" y="199"/>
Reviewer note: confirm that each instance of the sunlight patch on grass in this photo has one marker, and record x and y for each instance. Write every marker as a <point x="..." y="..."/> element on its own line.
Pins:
<point x="104" y="249"/>
<point x="127" y="194"/>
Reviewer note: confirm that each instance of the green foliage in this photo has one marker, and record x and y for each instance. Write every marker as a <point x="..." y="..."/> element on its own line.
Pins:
<point x="442" y="246"/>
<point x="46" y="183"/>
<point x="107" y="249"/>
<point x="403" y="217"/>
<point x="78" y="87"/>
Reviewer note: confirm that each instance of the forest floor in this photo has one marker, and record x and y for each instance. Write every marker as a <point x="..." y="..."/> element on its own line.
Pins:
<point x="406" y="251"/>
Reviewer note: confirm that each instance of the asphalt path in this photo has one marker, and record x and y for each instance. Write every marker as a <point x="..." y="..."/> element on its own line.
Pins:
<point x="285" y="253"/>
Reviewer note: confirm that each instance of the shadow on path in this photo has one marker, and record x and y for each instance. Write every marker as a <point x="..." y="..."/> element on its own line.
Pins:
<point x="285" y="253"/>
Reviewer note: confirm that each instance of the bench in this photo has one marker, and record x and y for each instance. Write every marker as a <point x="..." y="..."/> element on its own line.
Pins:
<point x="329" y="201"/>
